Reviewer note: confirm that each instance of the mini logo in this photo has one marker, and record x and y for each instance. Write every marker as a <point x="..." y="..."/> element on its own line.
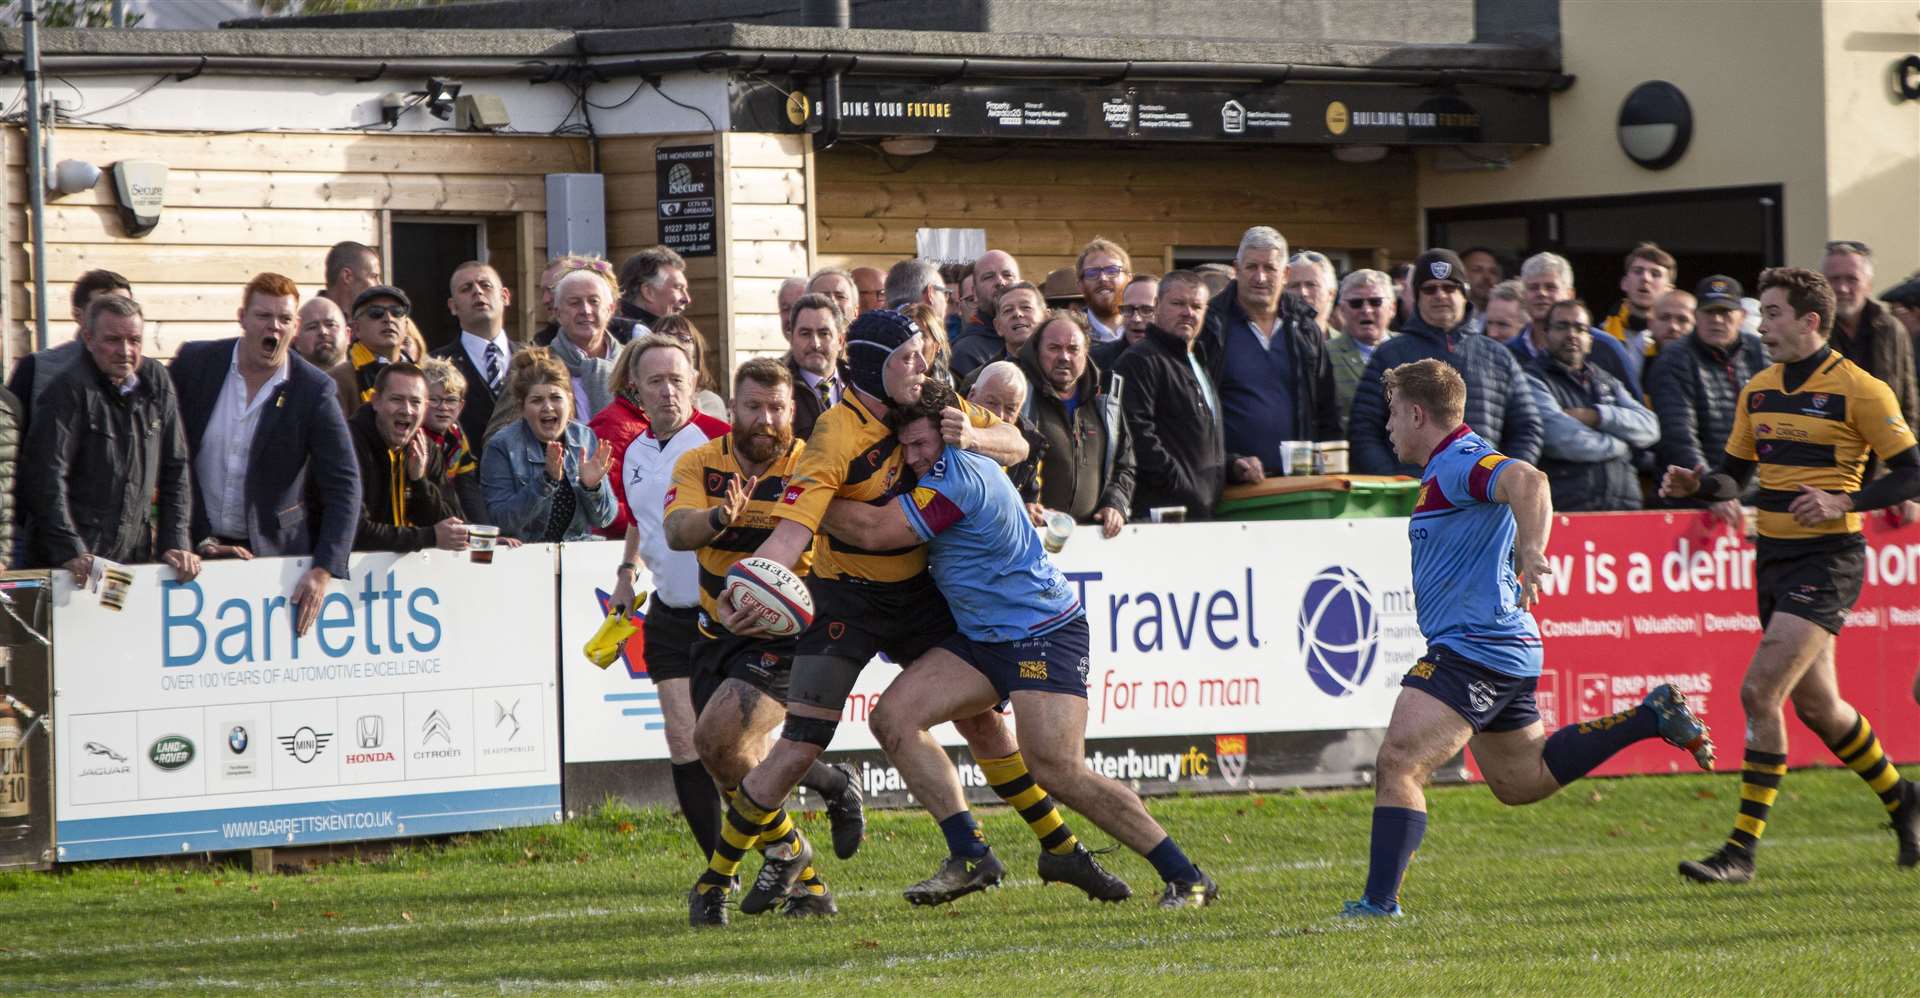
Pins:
<point x="1033" y="669"/>
<point x="503" y="714"/>
<point x="1480" y="695"/>
<point x="1230" y="753"/>
<point x="436" y="724"/>
<point x="171" y="752"/>
<point x="1337" y="119"/>
<point x="791" y="496"/>
<point x="1439" y="269"/>
<point x="95" y="748"/>
<point x="1339" y="631"/>
<point x="371" y="730"/>
<point x="1233" y="117"/>
<point x="237" y="740"/>
<point x="306" y="743"/>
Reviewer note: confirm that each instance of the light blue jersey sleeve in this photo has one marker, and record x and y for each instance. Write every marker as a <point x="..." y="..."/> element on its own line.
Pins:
<point x="945" y="495"/>
<point x="1470" y="472"/>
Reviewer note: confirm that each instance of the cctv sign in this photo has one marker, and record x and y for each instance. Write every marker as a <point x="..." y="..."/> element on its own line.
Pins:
<point x="686" y="198"/>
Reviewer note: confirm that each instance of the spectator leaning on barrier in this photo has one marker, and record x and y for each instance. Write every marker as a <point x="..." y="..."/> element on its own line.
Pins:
<point x="1017" y="310"/>
<point x="459" y="465"/>
<point x="1171" y="407"/>
<point x="1267" y="359"/>
<point x="405" y="502"/>
<point x="1500" y="402"/>
<point x="544" y="475"/>
<point x="584" y="301"/>
<point x="1650" y="273"/>
<point x="273" y="468"/>
<point x="1001" y="389"/>
<point x="1548" y="278"/>
<point x="109" y="448"/>
<point x="652" y="286"/>
<point x="1483" y="274"/>
<point x="482" y="352"/>
<point x="816" y="338"/>
<point x="378" y="320"/>
<point x="1104" y="270"/>
<point x="1863" y="332"/>
<point x="1506" y="315"/>
<point x="1084" y="453"/>
<point x="1669" y="322"/>
<point x="1310" y="277"/>
<point x="1366" y="306"/>
<point x="1591" y="424"/>
<point x="1694" y="384"/>
<point x="37" y="370"/>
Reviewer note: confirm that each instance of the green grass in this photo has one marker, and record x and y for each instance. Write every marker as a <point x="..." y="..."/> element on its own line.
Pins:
<point x="1574" y="895"/>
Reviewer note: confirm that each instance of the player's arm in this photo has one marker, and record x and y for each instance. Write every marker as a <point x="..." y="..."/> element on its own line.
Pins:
<point x="1524" y="489"/>
<point x="1876" y="415"/>
<point x="689" y="522"/>
<point x="1736" y="469"/>
<point x="879" y="527"/>
<point x="1899" y="484"/>
<point x="982" y="432"/>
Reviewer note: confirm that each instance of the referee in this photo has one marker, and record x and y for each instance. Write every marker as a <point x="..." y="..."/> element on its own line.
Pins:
<point x="1807" y="425"/>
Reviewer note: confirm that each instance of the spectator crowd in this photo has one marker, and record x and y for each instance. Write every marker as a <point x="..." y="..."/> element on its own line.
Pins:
<point x="327" y="426"/>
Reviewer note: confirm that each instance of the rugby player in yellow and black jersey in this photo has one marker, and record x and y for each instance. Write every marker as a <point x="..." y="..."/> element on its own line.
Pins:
<point x="720" y="506"/>
<point x="1807" y="424"/>
<point x="868" y="601"/>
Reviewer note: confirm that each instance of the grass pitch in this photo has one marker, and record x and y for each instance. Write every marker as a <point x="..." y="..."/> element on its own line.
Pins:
<point x="1574" y="895"/>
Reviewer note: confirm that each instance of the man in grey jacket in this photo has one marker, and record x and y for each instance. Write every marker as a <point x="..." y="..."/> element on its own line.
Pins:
<point x="1591" y="424"/>
<point x="1085" y="466"/>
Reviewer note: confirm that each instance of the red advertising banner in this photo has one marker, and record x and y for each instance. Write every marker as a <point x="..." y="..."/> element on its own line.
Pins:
<point x="1640" y="599"/>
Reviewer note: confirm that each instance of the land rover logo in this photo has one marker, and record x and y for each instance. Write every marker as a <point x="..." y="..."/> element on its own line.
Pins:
<point x="171" y="752"/>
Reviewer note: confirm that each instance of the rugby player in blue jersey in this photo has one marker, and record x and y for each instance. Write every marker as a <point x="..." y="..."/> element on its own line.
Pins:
<point x="1479" y="538"/>
<point x="1022" y="631"/>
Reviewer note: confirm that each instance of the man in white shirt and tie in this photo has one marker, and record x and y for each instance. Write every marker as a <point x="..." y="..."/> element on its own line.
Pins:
<point x="479" y="299"/>
<point x="816" y="336"/>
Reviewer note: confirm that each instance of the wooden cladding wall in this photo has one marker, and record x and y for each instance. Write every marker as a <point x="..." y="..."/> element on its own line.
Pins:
<point x="240" y="204"/>
<point x="1043" y="203"/>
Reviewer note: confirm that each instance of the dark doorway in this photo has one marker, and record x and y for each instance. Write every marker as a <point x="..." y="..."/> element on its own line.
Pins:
<point x="425" y="252"/>
<point x="1733" y="230"/>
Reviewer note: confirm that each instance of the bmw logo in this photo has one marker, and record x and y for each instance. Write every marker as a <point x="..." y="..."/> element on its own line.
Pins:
<point x="237" y="740"/>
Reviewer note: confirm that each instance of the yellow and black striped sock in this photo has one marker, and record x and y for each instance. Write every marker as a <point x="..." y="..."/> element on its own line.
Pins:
<point x="1760" y="774"/>
<point x="1860" y="750"/>
<point x="780" y="830"/>
<point x="740" y="831"/>
<point x="1010" y="779"/>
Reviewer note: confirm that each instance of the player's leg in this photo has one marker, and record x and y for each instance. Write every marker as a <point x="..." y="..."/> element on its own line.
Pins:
<point x="1846" y="731"/>
<point x="1062" y="857"/>
<point x="1422" y="735"/>
<point x="1052" y="735"/>
<point x="1788" y="648"/>
<point x="1522" y="764"/>
<point x="670" y="634"/>
<point x="932" y="690"/>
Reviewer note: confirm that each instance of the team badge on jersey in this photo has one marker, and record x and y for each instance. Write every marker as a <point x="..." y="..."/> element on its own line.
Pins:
<point x="923" y="497"/>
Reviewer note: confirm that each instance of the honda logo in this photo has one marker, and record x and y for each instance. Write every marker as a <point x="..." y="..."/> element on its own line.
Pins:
<point x="372" y="729"/>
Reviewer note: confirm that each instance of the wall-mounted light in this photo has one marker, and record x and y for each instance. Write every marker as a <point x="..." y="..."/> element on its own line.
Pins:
<point x="1655" y="125"/>
<point x="908" y="145"/>
<point x="1360" y="153"/>
<point x="71" y="176"/>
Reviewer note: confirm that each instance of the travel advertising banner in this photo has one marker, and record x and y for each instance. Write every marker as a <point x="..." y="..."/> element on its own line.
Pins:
<point x="193" y="719"/>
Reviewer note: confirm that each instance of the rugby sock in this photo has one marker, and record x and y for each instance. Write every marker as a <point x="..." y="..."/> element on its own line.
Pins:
<point x="1573" y="751"/>
<point x="781" y="831"/>
<point x="1860" y="750"/>
<point x="1171" y="863"/>
<point x="741" y="830"/>
<point x="964" y="837"/>
<point x="825" y="780"/>
<point x="1760" y="774"/>
<point x="1010" y="779"/>
<point x="699" y="803"/>
<point x="1396" y="837"/>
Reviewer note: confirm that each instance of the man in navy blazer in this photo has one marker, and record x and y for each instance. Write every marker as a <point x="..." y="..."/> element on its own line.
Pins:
<point x="274" y="472"/>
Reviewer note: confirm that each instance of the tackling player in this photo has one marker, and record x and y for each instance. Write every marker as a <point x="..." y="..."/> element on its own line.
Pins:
<point x="1807" y="424"/>
<point x="721" y="507"/>
<point x="1479" y="516"/>
<point x="870" y="600"/>
<point x="1022" y="631"/>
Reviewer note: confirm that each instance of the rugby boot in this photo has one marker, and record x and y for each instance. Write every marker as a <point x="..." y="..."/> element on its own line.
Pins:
<point x="958" y="877"/>
<point x="1679" y="726"/>
<point x="706" y="907"/>
<point x="1906" y="823"/>
<point x="802" y="903"/>
<point x="1080" y="869"/>
<point x="1731" y="865"/>
<point x="848" y="816"/>
<point x="1365" y="908"/>
<point x="777" y="875"/>
<point x="1190" y="893"/>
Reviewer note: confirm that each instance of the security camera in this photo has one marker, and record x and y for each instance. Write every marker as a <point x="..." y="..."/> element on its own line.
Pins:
<point x="71" y="176"/>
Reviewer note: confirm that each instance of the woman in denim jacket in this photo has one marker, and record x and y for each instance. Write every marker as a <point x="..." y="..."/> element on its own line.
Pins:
<point x="545" y="476"/>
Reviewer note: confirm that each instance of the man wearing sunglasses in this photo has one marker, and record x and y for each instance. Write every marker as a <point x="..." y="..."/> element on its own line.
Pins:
<point x="378" y="322"/>
<point x="1366" y="307"/>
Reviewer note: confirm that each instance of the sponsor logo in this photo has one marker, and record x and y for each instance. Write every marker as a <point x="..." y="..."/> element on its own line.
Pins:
<point x="791" y="496"/>
<point x="306" y="744"/>
<point x="237" y="740"/>
<point x="1337" y="118"/>
<point x="95" y="748"/>
<point x="1439" y="269"/>
<point x="1033" y="669"/>
<point x="1763" y="429"/>
<point x="503" y="714"/>
<point x="436" y="726"/>
<point x="370" y="731"/>
<point x="1480" y="695"/>
<point x="1230" y="754"/>
<point x="171" y="752"/>
<point x="798" y="108"/>
<point x="673" y="492"/>
<point x="1233" y="117"/>
<point x="112" y="762"/>
<point x="680" y="181"/>
<point x="1339" y="631"/>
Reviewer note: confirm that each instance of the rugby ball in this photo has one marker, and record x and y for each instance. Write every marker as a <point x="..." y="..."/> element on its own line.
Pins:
<point x="776" y="597"/>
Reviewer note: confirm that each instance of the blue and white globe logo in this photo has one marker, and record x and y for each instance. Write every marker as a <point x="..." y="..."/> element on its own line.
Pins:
<point x="1339" y="631"/>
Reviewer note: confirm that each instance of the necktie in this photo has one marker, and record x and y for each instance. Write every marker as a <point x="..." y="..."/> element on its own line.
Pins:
<point x="826" y="391"/>
<point x="493" y="367"/>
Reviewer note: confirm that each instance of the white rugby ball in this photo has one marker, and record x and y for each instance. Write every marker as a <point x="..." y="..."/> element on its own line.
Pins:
<point x="776" y="597"/>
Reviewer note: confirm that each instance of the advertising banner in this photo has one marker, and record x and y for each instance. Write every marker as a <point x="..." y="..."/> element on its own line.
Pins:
<point x="192" y="718"/>
<point x="1640" y="599"/>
